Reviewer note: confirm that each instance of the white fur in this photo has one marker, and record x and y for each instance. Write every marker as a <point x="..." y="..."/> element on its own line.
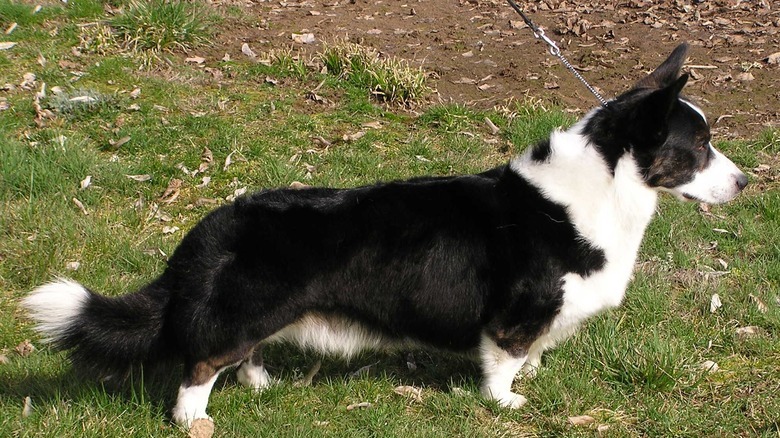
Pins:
<point x="253" y="375"/>
<point x="715" y="184"/>
<point x="192" y="401"/>
<point x="333" y="335"/>
<point x="55" y="306"/>
<point x="611" y="213"/>
<point x="499" y="369"/>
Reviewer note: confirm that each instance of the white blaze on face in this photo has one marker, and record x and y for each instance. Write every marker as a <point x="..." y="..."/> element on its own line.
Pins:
<point x="719" y="182"/>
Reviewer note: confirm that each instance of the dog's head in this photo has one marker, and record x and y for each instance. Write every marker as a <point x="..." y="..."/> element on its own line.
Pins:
<point x="668" y="136"/>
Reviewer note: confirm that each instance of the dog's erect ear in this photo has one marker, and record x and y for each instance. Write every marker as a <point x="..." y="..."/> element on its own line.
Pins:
<point x="651" y="114"/>
<point x="659" y="103"/>
<point x="668" y="71"/>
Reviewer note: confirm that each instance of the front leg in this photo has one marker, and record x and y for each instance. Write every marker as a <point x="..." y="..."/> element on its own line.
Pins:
<point x="499" y="368"/>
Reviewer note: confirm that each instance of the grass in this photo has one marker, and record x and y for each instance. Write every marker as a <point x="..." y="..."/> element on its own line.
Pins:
<point x="635" y="369"/>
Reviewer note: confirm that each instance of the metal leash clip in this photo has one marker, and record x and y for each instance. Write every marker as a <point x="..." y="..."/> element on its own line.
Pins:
<point x="556" y="51"/>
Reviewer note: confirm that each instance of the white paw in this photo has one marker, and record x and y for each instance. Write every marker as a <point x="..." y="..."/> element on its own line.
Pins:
<point x="253" y="376"/>
<point x="507" y="399"/>
<point x="513" y="401"/>
<point x="529" y="370"/>
<point x="185" y="419"/>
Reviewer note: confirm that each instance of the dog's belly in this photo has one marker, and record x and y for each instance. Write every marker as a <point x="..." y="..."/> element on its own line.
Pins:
<point x="337" y="335"/>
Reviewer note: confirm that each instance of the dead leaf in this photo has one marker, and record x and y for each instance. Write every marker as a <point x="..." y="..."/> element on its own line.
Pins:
<point x="747" y="332"/>
<point x="353" y="137"/>
<point x="10" y="28"/>
<point x="715" y="303"/>
<point x="195" y="60"/>
<point x="81" y="207"/>
<point x="493" y="128"/>
<point x="373" y="31"/>
<point x="86" y="182"/>
<point x="236" y="194"/>
<point x="248" y="52"/>
<point x="581" y="420"/>
<point x="373" y="125"/>
<point x="271" y="81"/>
<point x="25" y="348"/>
<point x="117" y="144"/>
<point x="303" y="38"/>
<point x="320" y="423"/>
<point x="321" y="141"/>
<point x="409" y="391"/>
<point x="136" y="93"/>
<point x="3" y="359"/>
<point x="27" y="407"/>
<point x="774" y="58"/>
<point x="759" y="304"/>
<point x="709" y="366"/>
<point x="140" y="178"/>
<point x="172" y="191"/>
<point x="73" y="266"/>
<point x="745" y="77"/>
<point x="201" y="428"/>
<point x="228" y="161"/>
<point x="170" y="229"/>
<point x="551" y="85"/>
<point x="485" y="87"/>
<point x="5" y="45"/>
<point x="361" y="405"/>
<point x="204" y="181"/>
<point x="298" y="185"/>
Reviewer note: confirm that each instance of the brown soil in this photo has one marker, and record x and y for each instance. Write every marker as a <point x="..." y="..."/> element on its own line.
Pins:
<point x="482" y="55"/>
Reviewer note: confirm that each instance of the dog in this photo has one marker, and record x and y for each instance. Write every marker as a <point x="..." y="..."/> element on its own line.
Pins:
<point x="500" y="265"/>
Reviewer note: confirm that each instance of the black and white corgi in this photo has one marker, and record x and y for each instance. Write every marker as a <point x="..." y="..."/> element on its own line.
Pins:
<point x="502" y="265"/>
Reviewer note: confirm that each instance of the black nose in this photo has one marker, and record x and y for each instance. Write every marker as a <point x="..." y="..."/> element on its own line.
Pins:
<point x="742" y="181"/>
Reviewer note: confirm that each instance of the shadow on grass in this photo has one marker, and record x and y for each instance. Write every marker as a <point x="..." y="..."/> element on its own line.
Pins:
<point x="158" y="386"/>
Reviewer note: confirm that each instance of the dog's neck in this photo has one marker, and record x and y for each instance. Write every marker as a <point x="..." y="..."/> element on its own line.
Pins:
<point x="610" y="210"/>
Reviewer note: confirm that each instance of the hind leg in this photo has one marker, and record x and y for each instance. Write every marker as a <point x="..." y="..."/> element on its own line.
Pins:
<point x="252" y="372"/>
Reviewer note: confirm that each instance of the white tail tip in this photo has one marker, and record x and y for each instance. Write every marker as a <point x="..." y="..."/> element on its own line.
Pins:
<point x="55" y="307"/>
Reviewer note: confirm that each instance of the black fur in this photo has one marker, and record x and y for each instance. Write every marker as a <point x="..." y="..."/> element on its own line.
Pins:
<point x="436" y="260"/>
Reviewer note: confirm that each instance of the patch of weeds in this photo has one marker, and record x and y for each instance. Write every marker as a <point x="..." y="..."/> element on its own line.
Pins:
<point x="285" y="62"/>
<point x="161" y="25"/>
<point x="98" y="39"/>
<point x="81" y="103"/>
<point x="450" y="118"/>
<point x="388" y="79"/>
<point x="651" y="362"/>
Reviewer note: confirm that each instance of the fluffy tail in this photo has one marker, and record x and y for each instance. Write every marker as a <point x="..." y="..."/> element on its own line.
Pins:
<point x="105" y="335"/>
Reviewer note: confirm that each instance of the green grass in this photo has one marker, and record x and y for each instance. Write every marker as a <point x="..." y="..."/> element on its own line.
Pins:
<point x="635" y="369"/>
<point x="162" y="25"/>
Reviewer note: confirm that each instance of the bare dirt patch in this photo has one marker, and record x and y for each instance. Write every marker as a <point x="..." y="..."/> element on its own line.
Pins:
<point x="482" y="55"/>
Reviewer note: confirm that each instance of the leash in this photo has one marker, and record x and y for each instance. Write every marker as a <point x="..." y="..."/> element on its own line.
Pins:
<point x="556" y="51"/>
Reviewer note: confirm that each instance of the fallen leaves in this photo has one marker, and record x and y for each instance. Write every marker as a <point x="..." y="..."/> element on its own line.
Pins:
<point x="361" y="405"/>
<point x="172" y="191"/>
<point x="80" y="206"/>
<point x="27" y="407"/>
<point x="709" y="366"/>
<point x="201" y="428"/>
<point x="409" y="391"/>
<point x="715" y="303"/>
<point x="581" y="420"/>
<point x="25" y="348"/>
